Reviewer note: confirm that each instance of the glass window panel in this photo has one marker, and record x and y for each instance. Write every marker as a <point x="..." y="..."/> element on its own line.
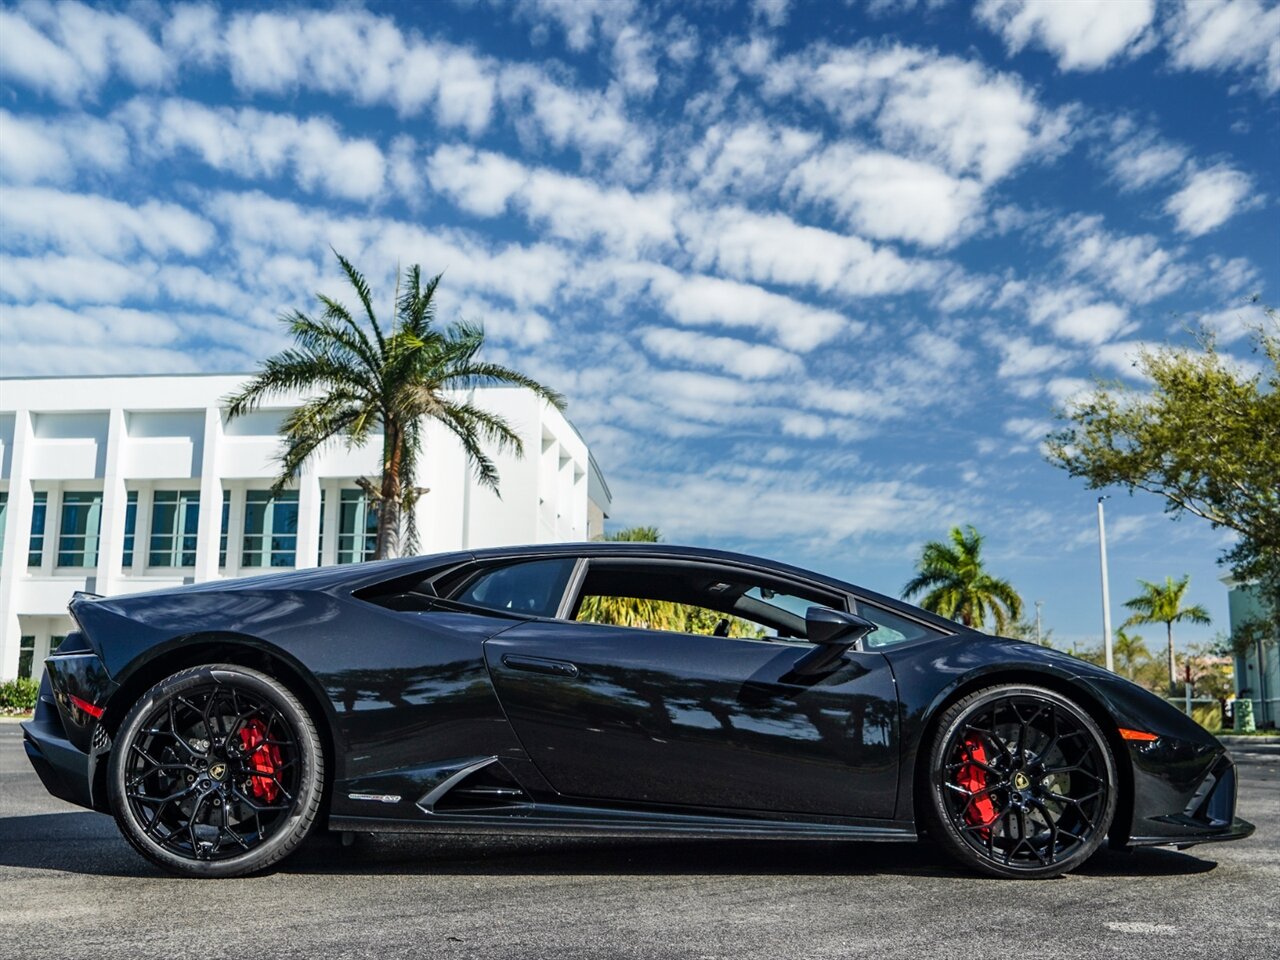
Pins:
<point x="225" y="528"/>
<point x="320" y="537"/>
<point x="54" y="644"/>
<point x="78" y="531"/>
<point x="4" y="514"/>
<point x="534" y="588"/>
<point x="26" y="655"/>
<point x="357" y="528"/>
<point x="175" y="521"/>
<point x="270" y="529"/>
<point x="39" y="511"/>
<point x="130" y="527"/>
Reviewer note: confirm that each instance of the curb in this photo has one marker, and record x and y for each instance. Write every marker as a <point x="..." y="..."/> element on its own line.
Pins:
<point x="19" y="718"/>
<point x="1230" y="741"/>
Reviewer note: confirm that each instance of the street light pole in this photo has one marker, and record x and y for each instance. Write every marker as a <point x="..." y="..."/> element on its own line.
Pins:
<point x="1106" y="590"/>
<point x="1039" y="638"/>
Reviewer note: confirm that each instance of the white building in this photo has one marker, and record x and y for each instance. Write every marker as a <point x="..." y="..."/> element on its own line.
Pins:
<point x="121" y="484"/>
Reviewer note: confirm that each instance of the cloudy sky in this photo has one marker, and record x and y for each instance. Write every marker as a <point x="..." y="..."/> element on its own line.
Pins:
<point x="813" y="276"/>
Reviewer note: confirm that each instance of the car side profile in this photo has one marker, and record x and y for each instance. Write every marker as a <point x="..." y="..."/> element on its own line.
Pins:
<point x="550" y="690"/>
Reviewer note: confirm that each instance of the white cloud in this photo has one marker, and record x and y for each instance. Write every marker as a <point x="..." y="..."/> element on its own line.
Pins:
<point x="40" y="150"/>
<point x="1135" y="267"/>
<point x="1140" y="158"/>
<point x="68" y="50"/>
<point x="1211" y="198"/>
<point x="889" y="197"/>
<point x="573" y="208"/>
<point x="1082" y="34"/>
<point x="699" y="301"/>
<point x="633" y="59"/>
<point x="70" y="279"/>
<point x="746" y="158"/>
<point x="1022" y="357"/>
<point x="752" y="361"/>
<point x="1222" y="35"/>
<point x="254" y="144"/>
<point x="941" y="109"/>
<point x="773" y="13"/>
<point x="36" y="218"/>
<point x="1234" y="323"/>
<point x="1095" y="323"/>
<point x="772" y="248"/>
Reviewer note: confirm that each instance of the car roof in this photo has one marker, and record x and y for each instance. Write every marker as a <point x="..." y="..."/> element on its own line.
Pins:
<point x="641" y="549"/>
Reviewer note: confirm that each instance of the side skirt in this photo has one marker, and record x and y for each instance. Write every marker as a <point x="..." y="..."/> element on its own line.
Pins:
<point x="574" y="821"/>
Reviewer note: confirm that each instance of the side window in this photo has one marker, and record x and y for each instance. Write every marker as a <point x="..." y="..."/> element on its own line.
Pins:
<point x="534" y="588"/>
<point x="694" y="599"/>
<point x="892" y="628"/>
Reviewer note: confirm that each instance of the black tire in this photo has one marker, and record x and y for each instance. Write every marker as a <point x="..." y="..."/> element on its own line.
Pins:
<point x="1021" y="783"/>
<point x="217" y="771"/>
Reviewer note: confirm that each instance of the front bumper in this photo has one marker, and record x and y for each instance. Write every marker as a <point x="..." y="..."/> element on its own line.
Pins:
<point x="1184" y="795"/>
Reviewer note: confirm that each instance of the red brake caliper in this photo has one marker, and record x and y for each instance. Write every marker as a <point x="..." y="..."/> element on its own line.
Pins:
<point x="262" y="757"/>
<point x="974" y="779"/>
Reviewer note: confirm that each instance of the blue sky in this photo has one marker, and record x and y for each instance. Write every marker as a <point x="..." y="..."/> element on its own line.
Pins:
<point x="813" y="276"/>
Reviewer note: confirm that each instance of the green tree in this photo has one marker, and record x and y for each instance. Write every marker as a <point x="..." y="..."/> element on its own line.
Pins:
<point x="956" y="585"/>
<point x="1163" y="604"/>
<point x="359" y="379"/>
<point x="1205" y="436"/>
<point x="1130" y="653"/>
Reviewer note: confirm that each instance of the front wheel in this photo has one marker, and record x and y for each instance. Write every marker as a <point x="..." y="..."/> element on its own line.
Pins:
<point x="217" y="771"/>
<point x="1022" y="783"/>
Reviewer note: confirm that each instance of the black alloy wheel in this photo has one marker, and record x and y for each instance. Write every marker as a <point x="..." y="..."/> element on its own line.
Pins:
<point x="1022" y="783"/>
<point x="216" y="772"/>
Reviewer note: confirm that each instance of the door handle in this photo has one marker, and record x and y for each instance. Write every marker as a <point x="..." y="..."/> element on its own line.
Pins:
<point x="555" y="668"/>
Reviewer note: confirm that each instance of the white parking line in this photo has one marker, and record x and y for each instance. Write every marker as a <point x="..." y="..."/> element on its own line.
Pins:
<point x="1141" y="927"/>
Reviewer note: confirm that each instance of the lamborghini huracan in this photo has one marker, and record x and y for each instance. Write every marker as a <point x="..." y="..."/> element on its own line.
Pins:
<point x="551" y="690"/>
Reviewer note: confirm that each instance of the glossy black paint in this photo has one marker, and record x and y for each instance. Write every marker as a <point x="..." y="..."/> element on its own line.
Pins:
<point x="437" y="717"/>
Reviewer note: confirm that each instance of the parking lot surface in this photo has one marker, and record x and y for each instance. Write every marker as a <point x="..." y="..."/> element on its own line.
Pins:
<point x="71" y="887"/>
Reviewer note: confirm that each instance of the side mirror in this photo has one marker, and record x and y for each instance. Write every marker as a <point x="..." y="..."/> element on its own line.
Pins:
<point x="832" y="632"/>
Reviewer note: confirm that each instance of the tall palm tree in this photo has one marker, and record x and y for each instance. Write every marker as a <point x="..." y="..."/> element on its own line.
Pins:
<point x="1163" y="604"/>
<point x="1130" y="652"/>
<point x="359" y="378"/>
<point x="958" y="585"/>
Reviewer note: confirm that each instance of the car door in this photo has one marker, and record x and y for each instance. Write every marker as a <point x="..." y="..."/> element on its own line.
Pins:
<point x="646" y="716"/>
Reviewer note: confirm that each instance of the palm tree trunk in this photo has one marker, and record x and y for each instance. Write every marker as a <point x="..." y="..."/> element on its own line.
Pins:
<point x="389" y="504"/>
<point x="1173" y="664"/>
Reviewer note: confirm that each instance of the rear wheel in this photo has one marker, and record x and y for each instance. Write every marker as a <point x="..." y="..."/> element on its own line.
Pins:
<point x="216" y="772"/>
<point x="1021" y="783"/>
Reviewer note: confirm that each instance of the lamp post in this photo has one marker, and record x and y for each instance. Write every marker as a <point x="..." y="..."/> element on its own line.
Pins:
<point x="1106" y="590"/>
<point x="1039" y="637"/>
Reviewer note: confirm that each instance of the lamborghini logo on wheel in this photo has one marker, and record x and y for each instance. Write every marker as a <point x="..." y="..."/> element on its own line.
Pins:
<point x="218" y="771"/>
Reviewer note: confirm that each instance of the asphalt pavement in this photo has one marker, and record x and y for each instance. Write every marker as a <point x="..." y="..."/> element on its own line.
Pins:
<point x="71" y="887"/>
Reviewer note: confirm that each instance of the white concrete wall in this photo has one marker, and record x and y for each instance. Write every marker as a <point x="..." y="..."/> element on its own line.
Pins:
<point x="123" y="435"/>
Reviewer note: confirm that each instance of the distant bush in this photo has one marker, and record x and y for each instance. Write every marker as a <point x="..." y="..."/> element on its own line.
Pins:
<point x="18" y="696"/>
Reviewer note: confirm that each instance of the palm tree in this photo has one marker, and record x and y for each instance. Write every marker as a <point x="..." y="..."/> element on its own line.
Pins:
<point x="359" y="378"/>
<point x="1130" y="652"/>
<point x="958" y="586"/>
<point x="1163" y="604"/>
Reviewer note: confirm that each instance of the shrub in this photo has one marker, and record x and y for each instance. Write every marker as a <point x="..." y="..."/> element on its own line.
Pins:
<point x="18" y="696"/>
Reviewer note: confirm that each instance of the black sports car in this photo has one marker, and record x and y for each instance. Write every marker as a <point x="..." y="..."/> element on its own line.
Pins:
<point x="494" y="691"/>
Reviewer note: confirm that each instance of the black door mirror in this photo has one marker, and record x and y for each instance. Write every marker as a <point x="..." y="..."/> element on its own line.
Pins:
<point x="832" y="632"/>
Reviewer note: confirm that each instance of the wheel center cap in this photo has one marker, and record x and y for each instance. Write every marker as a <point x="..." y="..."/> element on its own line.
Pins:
<point x="1021" y="781"/>
<point x="218" y="771"/>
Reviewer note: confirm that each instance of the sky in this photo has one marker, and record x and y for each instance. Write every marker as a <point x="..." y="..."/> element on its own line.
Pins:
<point x="814" y="277"/>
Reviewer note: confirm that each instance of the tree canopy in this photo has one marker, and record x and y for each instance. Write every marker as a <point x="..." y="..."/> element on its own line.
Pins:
<point x="1205" y="436"/>
<point x="955" y="583"/>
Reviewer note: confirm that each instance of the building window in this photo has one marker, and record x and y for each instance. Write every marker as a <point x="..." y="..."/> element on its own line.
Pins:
<point x="225" y="528"/>
<point x="54" y="644"/>
<point x="26" y="655"/>
<point x="39" y="509"/>
<point x="175" y="520"/>
<point x="4" y="513"/>
<point x="130" y="527"/>
<point x="78" y="532"/>
<point x="320" y="538"/>
<point x="270" y="529"/>
<point x="357" y="528"/>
